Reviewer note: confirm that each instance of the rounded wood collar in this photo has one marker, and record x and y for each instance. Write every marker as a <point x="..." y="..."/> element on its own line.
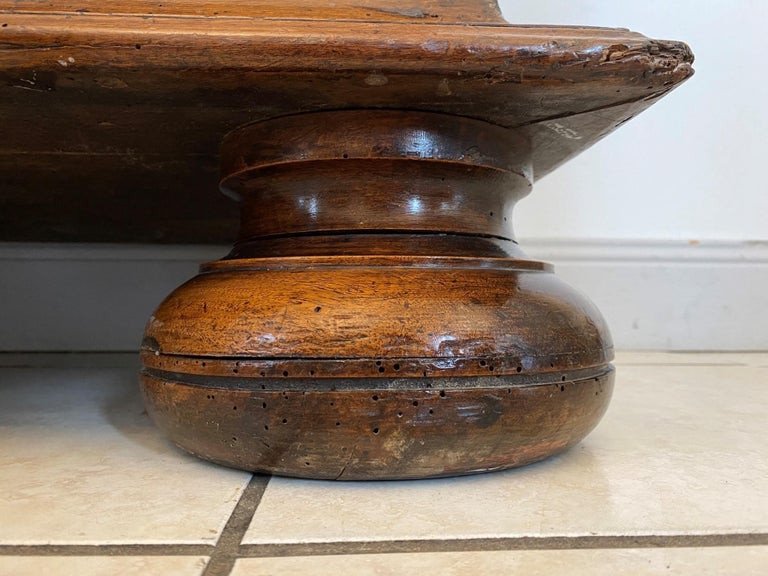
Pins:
<point x="371" y="135"/>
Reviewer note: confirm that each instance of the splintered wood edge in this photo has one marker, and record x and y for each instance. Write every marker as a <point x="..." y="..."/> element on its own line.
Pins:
<point x="174" y="42"/>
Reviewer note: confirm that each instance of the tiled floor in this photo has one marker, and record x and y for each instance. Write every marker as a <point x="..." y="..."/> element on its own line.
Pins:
<point x="674" y="480"/>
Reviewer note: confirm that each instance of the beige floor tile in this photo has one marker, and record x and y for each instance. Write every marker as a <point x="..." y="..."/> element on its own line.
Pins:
<point x="101" y="565"/>
<point x="624" y="357"/>
<point x="682" y="450"/>
<point x="746" y="561"/>
<point x="81" y="463"/>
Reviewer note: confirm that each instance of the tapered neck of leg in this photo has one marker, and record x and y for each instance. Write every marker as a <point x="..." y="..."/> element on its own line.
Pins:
<point x="368" y="182"/>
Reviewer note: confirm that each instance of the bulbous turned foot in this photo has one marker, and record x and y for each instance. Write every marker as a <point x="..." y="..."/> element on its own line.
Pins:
<point x="376" y="320"/>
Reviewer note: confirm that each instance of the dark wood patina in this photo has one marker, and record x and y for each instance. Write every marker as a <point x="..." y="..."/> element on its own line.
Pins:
<point x="116" y="109"/>
<point x="426" y="346"/>
<point x="376" y="317"/>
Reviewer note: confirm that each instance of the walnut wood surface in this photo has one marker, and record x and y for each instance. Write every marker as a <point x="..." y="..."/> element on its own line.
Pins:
<point x="390" y="307"/>
<point x="384" y="354"/>
<point x="375" y="318"/>
<point x="407" y="430"/>
<point x="338" y="172"/>
<point x="120" y="112"/>
<point x="426" y="11"/>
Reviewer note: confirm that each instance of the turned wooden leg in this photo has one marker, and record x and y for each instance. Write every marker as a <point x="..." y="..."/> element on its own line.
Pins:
<point x="376" y="318"/>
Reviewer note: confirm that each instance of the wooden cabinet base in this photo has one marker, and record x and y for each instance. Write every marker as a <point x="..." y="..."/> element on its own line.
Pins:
<point x="376" y="319"/>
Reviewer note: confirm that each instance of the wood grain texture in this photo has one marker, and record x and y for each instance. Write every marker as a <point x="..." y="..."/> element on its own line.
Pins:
<point x="409" y="431"/>
<point x="383" y="354"/>
<point x="426" y="11"/>
<point x="388" y="307"/>
<point x="338" y="172"/>
<point x="136" y="85"/>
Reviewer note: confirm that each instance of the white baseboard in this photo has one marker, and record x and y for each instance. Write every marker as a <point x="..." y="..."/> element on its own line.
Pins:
<point x="654" y="295"/>
<point x="87" y="297"/>
<point x="670" y="295"/>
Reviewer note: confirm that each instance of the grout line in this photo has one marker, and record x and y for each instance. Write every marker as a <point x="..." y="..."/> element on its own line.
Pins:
<point x="106" y="549"/>
<point x="498" y="544"/>
<point x="226" y="551"/>
<point x="683" y="364"/>
<point x="229" y="548"/>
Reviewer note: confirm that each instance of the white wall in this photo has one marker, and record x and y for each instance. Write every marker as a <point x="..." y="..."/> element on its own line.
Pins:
<point x="694" y="166"/>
